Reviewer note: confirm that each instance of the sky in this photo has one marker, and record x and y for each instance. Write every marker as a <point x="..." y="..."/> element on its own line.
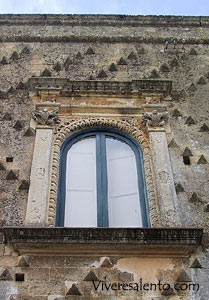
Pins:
<point x="128" y="7"/>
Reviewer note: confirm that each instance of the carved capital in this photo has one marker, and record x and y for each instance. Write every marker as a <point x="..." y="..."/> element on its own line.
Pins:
<point x="155" y="119"/>
<point x="45" y="117"/>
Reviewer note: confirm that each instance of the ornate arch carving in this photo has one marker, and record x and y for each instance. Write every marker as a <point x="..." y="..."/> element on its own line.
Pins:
<point x="131" y="126"/>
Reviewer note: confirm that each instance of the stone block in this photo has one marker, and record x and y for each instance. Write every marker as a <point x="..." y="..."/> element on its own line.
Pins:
<point x="8" y="261"/>
<point x="60" y="274"/>
<point x="35" y="274"/>
<point x="46" y="288"/>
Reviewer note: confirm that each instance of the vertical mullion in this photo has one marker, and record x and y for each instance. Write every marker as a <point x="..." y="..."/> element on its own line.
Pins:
<point x="104" y="181"/>
<point x="99" y="181"/>
<point x="101" y="169"/>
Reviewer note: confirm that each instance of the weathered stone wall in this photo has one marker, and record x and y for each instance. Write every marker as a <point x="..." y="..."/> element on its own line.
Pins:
<point x="125" y="48"/>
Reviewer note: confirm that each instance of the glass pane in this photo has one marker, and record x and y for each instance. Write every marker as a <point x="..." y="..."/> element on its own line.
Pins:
<point x="123" y="194"/>
<point x="81" y="198"/>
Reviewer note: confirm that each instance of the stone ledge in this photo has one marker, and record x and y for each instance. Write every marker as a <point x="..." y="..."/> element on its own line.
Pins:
<point x="145" y="242"/>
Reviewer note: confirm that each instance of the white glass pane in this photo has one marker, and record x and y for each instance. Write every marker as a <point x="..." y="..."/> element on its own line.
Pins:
<point x="81" y="198"/>
<point x="123" y="194"/>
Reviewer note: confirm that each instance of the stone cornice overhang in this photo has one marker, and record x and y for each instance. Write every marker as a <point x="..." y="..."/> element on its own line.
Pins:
<point x="102" y="20"/>
<point x="69" y="87"/>
<point x="145" y="242"/>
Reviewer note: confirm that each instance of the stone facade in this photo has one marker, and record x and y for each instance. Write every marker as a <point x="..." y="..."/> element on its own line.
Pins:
<point x="145" y="76"/>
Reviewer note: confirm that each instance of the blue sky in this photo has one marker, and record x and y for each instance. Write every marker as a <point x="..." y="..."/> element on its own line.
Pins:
<point x="132" y="7"/>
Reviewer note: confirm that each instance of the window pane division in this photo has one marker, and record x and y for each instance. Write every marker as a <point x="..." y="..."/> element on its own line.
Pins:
<point x="81" y="196"/>
<point x="123" y="192"/>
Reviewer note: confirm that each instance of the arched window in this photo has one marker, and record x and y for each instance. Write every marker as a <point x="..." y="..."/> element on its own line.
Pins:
<point x="101" y="182"/>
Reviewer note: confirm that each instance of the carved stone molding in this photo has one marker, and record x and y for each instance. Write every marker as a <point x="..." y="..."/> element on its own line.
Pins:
<point x="45" y="117"/>
<point x="155" y="119"/>
<point x="131" y="126"/>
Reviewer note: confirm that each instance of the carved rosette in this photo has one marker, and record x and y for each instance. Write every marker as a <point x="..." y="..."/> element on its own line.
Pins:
<point x="135" y="128"/>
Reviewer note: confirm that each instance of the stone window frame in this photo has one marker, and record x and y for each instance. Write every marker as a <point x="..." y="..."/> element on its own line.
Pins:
<point x="146" y="127"/>
<point x="65" y="129"/>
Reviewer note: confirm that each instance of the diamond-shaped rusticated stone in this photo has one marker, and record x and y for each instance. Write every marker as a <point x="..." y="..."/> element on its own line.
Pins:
<point x="74" y="291"/>
<point x="195" y="198"/>
<point x="79" y="56"/>
<point x="91" y="277"/>
<point x="2" y="168"/>
<point x="67" y="63"/>
<point x="204" y="128"/>
<point x="46" y="73"/>
<point x="7" y="117"/>
<point x="202" y="80"/>
<point x="24" y="185"/>
<point x="164" y="68"/>
<point x="132" y="55"/>
<point x="154" y="74"/>
<point x="29" y="132"/>
<point x="202" y="160"/>
<point x="11" y="175"/>
<point x="4" y="61"/>
<point x="20" y="86"/>
<point x="183" y="277"/>
<point x="90" y="51"/>
<point x="122" y="61"/>
<point x="174" y="63"/>
<point x="106" y="263"/>
<point x="18" y="125"/>
<point x="190" y="121"/>
<point x="179" y="188"/>
<point x="193" y="52"/>
<point x="5" y="275"/>
<point x="176" y="113"/>
<point x="25" y="51"/>
<point x="113" y="68"/>
<point x="196" y="264"/>
<point x="102" y="74"/>
<point x="22" y="262"/>
<point x="14" y="56"/>
<point x="187" y="152"/>
<point x="172" y="144"/>
<point x="57" y="67"/>
<point x="192" y="88"/>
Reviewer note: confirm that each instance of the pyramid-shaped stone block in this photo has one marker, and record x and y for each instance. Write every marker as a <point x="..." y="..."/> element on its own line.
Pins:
<point x="91" y="277"/>
<point x="11" y="176"/>
<point x="196" y="264"/>
<point x="5" y="275"/>
<point x="183" y="277"/>
<point x="74" y="291"/>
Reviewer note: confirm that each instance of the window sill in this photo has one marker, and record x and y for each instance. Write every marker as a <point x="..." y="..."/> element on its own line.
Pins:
<point x="144" y="242"/>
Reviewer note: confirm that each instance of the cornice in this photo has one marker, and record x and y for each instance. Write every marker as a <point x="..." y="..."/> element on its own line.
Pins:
<point x="102" y="20"/>
<point x="154" y="242"/>
<point x="68" y="87"/>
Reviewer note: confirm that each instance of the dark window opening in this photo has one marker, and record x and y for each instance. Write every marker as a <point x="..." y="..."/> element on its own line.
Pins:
<point x="19" y="277"/>
<point x="9" y="159"/>
<point x="186" y="160"/>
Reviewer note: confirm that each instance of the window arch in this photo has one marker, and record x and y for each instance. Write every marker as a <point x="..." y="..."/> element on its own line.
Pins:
<point x="101" y="181"/>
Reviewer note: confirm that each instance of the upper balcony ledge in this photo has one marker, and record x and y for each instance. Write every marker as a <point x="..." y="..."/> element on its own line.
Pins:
<point x="143" y="242"/>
